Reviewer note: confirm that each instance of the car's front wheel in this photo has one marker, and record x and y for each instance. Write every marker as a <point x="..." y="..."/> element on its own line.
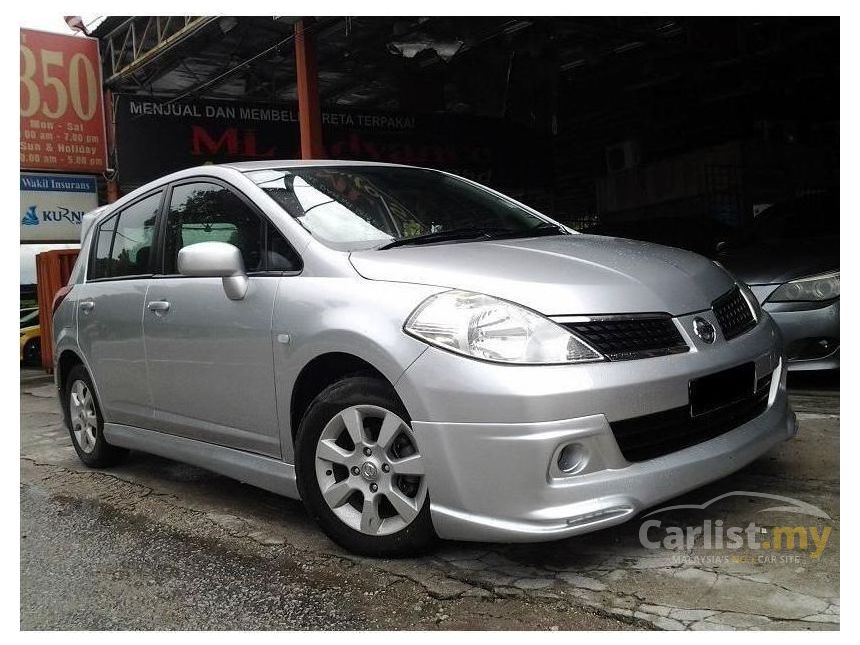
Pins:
<point x="360" y="472"/>
<point x="85" y="422"/>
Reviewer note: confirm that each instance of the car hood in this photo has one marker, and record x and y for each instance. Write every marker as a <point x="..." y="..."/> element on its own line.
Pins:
<point x="778" y="262"/>
<point x="559" y="275"/>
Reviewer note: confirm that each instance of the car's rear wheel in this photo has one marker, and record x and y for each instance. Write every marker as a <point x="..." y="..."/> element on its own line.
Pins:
<point x="85" y="422"/>
<point x="360" y="471"/>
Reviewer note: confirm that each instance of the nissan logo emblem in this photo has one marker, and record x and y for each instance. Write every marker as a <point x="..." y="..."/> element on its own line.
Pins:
<point x="704" y="330"/>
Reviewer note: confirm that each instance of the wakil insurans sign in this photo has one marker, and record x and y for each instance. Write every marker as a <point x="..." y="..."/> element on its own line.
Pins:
<point x="52" y="206"/>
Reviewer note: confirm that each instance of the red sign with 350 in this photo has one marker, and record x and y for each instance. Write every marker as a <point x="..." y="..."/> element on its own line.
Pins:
<point x="62" y="114"/>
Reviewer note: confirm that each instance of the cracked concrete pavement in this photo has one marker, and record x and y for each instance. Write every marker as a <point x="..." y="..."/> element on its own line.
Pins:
<point x="604" y="580"/>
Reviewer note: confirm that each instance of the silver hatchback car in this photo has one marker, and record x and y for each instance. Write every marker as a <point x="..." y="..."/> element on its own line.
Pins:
<point x="410" y="353"/>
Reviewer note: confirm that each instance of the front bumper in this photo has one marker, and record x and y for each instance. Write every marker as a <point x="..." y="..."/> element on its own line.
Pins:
<point x="801" y="325"/>
<point x="490" y="435"/>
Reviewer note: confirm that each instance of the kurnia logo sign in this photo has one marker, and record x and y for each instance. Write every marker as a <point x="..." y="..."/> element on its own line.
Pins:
<point x="61" y="213"/>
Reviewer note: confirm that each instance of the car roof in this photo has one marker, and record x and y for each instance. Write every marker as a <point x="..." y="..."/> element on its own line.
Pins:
<point x="247" y="166"/>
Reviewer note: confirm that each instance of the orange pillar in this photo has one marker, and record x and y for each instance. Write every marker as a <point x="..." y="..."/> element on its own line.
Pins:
<point x="310" y="119"/>
<point x="112" y="191"/>
<point x="53" y="269"/>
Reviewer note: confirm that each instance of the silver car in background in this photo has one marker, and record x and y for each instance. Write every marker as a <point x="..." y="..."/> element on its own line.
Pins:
<point x="791" y="264"/>
<point x="411" y="354"/>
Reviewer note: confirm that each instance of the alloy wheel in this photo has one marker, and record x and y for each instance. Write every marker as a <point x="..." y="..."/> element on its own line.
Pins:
<point x="82" y="412"/>
<point x="369" y="470"/>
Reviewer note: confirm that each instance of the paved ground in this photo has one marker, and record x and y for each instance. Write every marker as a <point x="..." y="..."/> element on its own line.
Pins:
<point x="31" y="374"/>
<point x="155" y="544"/>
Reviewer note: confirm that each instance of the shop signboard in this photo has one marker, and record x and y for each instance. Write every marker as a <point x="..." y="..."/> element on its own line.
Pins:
<point x="53" y="205"/>
<point x="62" y="112"/>
<point x="158" y="136"/>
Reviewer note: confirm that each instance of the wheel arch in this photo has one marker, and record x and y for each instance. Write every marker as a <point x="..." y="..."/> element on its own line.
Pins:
<point x="67" y="359"/>
<point x="319" y="373"/>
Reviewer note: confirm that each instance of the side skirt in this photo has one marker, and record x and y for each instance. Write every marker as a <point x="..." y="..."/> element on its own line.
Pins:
<point x="264" y="472"/>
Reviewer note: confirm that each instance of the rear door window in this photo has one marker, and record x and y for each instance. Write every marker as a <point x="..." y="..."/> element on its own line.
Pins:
<point x="123" y="246"/>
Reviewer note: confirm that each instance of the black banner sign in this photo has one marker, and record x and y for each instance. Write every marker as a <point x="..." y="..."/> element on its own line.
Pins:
<point x="156" y="137"/>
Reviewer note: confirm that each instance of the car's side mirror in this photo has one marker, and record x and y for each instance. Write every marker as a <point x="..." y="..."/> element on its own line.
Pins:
<point x="216" y="260"/>
<point x="721" y="246"/>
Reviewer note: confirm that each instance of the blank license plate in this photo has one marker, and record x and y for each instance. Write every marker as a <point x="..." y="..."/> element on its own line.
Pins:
<point x="716" y="391"/>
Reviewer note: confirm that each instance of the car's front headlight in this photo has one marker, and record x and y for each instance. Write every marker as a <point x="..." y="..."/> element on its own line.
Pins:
<point x="490" y="329"/>
<point x="814" y="289"/>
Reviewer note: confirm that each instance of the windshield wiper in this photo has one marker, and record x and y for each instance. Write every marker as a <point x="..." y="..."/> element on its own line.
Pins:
<point x="539" y="230"/>
<point x="467" y="233"/>
<point x="473" y="233"/>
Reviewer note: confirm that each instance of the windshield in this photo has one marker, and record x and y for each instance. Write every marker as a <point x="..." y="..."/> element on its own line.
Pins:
<point x="353" y="207"/>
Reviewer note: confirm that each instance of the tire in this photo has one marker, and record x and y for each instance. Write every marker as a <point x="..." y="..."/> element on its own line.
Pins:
<point x="85" y="422"/>
<point x="381" y="509"/>
<point x="33" y="352"/>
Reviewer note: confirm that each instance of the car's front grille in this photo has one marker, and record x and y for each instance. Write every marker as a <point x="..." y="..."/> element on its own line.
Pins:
<point x="654" y="435"/>
<point x="625" y="338"/>
<point x="733" y="313"/>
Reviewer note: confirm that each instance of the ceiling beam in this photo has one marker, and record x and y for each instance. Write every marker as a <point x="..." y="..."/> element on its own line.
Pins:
<point x="141" y="40"/>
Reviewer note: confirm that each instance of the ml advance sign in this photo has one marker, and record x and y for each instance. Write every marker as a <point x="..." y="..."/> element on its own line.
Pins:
<point x="191" y="133"/>
<point x="52" y="206"/>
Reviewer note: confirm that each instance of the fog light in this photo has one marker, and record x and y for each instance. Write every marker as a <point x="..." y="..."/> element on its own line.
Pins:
<point x="572" y="458"/>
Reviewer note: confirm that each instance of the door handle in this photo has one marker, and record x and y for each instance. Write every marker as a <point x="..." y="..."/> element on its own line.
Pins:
<point x="87" y="305"/>
<point x="159" y="306"/>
